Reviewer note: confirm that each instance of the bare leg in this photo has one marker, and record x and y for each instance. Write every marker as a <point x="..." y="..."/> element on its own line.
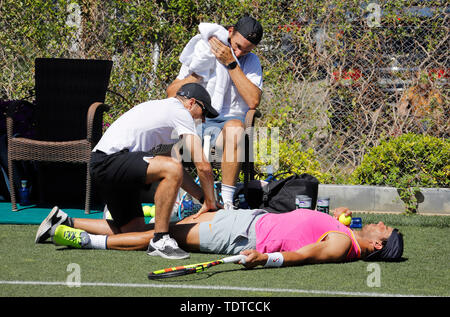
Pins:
<point x="107" y="227"/>
<point x="232" y="138"/>
<point x="169" y="173"/>
<point x="185" y="232"/>
<point x="96" y="226"/>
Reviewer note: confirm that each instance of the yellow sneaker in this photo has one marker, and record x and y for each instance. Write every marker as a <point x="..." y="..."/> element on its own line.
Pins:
<point x="74" y="238"/>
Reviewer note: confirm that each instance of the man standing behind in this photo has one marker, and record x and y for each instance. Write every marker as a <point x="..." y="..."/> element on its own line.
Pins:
<point x="242" y="93"/>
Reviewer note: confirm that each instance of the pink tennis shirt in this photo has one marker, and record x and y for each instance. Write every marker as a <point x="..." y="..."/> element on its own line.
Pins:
<point x="293" y="230"/>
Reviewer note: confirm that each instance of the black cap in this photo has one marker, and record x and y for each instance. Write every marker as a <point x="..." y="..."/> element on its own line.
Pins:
<point x="250" y="29"/>
<point x="392" y="251"/>
<point x="194" y="90"/>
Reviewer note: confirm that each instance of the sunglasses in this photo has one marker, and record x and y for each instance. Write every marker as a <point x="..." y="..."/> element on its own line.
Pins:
<point x="201" y="105"/>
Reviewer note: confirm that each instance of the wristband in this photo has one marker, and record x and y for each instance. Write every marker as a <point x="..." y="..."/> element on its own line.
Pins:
<point x="275" y="260"/>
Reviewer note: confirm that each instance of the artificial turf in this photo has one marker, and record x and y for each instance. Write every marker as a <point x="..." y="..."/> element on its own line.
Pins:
<point x="424" y="271"/>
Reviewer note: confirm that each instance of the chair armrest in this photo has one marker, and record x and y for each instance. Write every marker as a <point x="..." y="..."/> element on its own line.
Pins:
<point x="250" y="117"/>
<point x="96" y="107"/>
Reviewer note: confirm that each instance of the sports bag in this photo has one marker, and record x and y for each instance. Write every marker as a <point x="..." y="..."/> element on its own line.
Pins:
<point x="279" y="196"/>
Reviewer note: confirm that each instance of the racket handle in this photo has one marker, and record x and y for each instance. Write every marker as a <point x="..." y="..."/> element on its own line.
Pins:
<point x="235" y="259"/>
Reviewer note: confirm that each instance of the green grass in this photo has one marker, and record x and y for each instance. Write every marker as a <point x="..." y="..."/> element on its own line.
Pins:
<point x="425" y="271"/>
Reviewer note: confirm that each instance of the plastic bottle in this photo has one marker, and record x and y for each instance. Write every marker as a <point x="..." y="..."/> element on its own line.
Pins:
<point x="188" y="205"/>
<point x="356" y="223"/>
<point x="24" y="194"/>
<point x="270" y="177"/>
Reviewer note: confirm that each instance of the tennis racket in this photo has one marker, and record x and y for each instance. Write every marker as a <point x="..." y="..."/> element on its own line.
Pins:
<point x="193" y="268"/>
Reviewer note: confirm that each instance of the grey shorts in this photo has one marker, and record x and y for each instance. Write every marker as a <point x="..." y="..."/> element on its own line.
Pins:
<point x="230" y="231"/>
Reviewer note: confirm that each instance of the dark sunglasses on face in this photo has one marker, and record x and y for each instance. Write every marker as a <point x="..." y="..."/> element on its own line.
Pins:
<point x="201" y="106"/>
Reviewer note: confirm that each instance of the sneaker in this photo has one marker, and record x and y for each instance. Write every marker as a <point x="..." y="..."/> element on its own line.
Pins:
<point x="48" y="226"/>
<point x="167" y="248"/>
<point x="106" y="213"/>
<point x="71" y="237"/>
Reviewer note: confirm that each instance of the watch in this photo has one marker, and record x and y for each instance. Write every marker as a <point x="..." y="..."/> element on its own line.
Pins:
<point x="232" y="65"/>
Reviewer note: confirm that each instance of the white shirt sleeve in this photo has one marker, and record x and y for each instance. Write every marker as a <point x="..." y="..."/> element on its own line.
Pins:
<point x="253" y="70"/>
<point x="183" y="123"/>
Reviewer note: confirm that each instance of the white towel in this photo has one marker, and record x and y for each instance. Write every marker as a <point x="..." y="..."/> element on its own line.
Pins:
<point x="197" y="56"/>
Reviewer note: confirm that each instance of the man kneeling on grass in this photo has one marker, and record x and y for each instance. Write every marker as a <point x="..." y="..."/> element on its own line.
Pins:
<point x="298" y="237"/>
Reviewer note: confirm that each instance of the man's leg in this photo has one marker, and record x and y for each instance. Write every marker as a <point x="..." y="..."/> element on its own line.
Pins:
<point x="185" y="232"/>
<point x="169" y="173"/>
<point x="231" y="138"/>
<point x="96" y="226"/>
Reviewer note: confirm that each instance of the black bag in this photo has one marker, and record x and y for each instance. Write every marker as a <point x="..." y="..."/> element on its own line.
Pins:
<point x="279" y="196"/>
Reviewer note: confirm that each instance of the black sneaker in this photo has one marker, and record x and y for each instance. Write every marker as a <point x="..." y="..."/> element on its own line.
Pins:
<point x="167" y="248"/>
<point x="48" y="226"/>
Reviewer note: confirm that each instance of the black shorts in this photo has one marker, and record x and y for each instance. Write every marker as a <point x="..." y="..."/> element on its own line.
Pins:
<point x="120" y="178"/>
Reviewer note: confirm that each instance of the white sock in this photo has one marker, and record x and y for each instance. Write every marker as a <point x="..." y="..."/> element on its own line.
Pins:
<point x="228" y="193"/>
<point x="97" y="241"/>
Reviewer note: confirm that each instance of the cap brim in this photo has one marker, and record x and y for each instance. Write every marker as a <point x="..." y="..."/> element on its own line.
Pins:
<point x="211" y="113"/>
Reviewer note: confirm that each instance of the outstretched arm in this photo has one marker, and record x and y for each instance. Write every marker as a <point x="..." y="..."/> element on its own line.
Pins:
<point x="333" y="249"/>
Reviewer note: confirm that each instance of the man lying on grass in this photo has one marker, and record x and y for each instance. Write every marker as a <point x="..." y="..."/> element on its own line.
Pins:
<point x="298" y="237"/>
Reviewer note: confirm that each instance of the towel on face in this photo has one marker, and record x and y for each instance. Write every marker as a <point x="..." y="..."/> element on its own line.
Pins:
<point x="197" y="56"/>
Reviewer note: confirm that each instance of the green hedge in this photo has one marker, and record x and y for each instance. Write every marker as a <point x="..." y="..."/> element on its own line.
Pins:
<point x="407" y="162"/>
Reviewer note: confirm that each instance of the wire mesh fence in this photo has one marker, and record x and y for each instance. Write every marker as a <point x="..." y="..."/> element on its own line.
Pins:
<point x="339" y="76"/>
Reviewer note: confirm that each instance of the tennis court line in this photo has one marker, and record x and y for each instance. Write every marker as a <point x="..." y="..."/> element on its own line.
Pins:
<point x="219" y="288"/>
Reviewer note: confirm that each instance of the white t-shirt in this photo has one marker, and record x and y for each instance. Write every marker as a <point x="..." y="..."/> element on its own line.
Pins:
<point x="147" y="126"/>
<point x="233" y="103"/>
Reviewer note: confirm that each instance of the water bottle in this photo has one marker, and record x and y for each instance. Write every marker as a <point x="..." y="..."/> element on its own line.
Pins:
<point x="187" y="205"/>
<point x="356" y="223"/>
<point x="270" y="177"/>
<point x="24" y="194"/>
<point x="242" y="203"/>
